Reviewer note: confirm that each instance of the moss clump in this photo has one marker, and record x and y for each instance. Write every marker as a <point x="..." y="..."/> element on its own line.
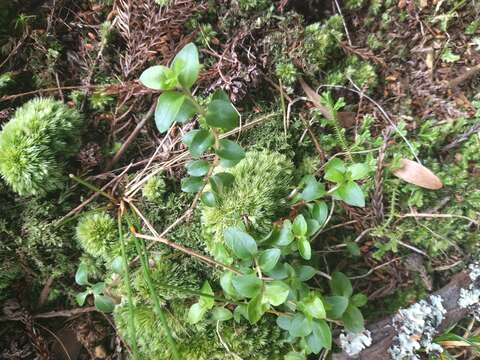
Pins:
<point x="262" y="181"/>
<point x="286" y="72"/>
<point x="263" y="341"/>
<point x="42" y="134"/>
<point x="97" y="232"/>
<point x="322" y="41"/>
<point x="154" y="189"/>
<point x="173" y="269"/>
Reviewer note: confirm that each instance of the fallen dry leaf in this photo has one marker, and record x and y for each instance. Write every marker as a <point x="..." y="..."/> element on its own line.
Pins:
<point x="417" y="174"/>
<point x="345" y="118"/>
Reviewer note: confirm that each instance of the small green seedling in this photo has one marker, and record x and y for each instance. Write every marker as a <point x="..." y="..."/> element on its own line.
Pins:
<point x="102" y="302"/>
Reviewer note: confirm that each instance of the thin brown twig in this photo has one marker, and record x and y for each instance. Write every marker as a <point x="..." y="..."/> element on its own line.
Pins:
<point x="132" y="136"/>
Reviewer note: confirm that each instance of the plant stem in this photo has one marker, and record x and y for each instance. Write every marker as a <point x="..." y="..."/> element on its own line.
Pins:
<point x="94" y="188"/>
<point x="140" y="246"/>
<point x="131" y="325"/>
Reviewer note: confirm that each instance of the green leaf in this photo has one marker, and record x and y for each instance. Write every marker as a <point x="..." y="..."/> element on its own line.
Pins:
<point x="359" y="300"/>
<point x="279" y="272"/>
<point x="321" y="336"/>
<point x="268" y="259"/>
<point x="284" y="322"/>
<point x="312" y="227"/>
<point x="341" y="285"/>
<point x="320" y="212"/>
<point x="187" y="61"/>
<point x="118" y="265"/>
<point x="200" y="143"/>
<point x="159" y="77"/>
<point x="221" y="114"/>
<point x="226" y="284"/>
<point x="255" y="309"/>
<point x="242" y="244"/>
<point x="103" y="303"/>
<point x="338" y="305"/>
<point x="335" y="176"/>
<point x="81" y="276"/>
<point x="299" y="227"/>
<point x="196" y="313"/>
<point x="230" y="151"/>
<point x="240" y="310"/>
<point x="304" y="248"/>
<point x="221" y="314"/>
<point x="300" y="326"/>
<point x="197" y="167"/>
<point x="188" y="137"/>
<point x="313" y="189"/>
<point x="336" y="164"/>
<point x="192" y="184"/>
<point x="286" y="235"/>
<point x="98" y="288"/>
<point x="186" y="112"/>
<point x="81" y="297"/>
<point x="248" y="286"/>
<point x="220" y="181"/>
<point x="312" y="306"/>
<point x="208" y="199"/>
<point x="305" y="272"/>
<point x="353" y="319"/>
<point x="276" y="292"/>
<point x="206" y="302"/>
<point x="352" y="194"/>
<point x="293" y="355"/>
<point x="358" y="171"/>
<point x="168" y="107"/>
<point x="220" y="95"/>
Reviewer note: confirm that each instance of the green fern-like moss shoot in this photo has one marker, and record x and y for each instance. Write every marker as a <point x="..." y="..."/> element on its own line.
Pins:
<point x="42" y="134"/>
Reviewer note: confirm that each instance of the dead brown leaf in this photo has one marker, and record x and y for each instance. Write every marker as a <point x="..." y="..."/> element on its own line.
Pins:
<point x="345" y="118"/>
<point x="417" y="174"/>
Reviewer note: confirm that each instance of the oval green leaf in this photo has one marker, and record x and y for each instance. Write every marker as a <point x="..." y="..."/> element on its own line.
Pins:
<point x="168" y="107"/>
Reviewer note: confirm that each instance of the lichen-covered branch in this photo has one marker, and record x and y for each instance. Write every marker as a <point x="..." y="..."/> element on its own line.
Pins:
<point x="385" y="333"/>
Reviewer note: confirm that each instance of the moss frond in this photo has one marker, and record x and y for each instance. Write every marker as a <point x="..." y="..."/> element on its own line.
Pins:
<point x="42" y="134"/>
<point x="154" y="189"/>
<point x="97" y="232"/>
<point x="262" y="181"/>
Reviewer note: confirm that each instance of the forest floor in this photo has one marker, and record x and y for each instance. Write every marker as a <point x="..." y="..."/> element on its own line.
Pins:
<point x="376" y="83"/>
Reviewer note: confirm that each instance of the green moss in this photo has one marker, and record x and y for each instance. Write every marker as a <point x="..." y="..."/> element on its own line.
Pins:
<point x="262" y="181"/>
<point x="286" y="72"/>
<point x="154" y="189"/>
<point x="42" y="134"/>
<point x="354" y="4"/>
<point x="96" y="233"/>
<point x="322" y="40"/>
<point x="172" y="269"/>
<point x="263" y="341"/>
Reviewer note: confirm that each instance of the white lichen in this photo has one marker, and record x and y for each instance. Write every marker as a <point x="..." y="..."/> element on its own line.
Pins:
<point x="416" y="327"/>
<point x="354" y="343"/>
<point x="470" y="297"/>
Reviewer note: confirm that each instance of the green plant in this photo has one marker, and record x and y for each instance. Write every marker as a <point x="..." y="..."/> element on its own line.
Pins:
<point x="322" y="41"/>
<point x="35" y="143"/>
<point x="102" y="302"/>
<point x="344" y="178"/>
<point x="256" y="197"/>
<point x="96" y="233"/>
<point x="177" y="104"/>
<point x="286" y="72"/>
<point x="154" y="189"/>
